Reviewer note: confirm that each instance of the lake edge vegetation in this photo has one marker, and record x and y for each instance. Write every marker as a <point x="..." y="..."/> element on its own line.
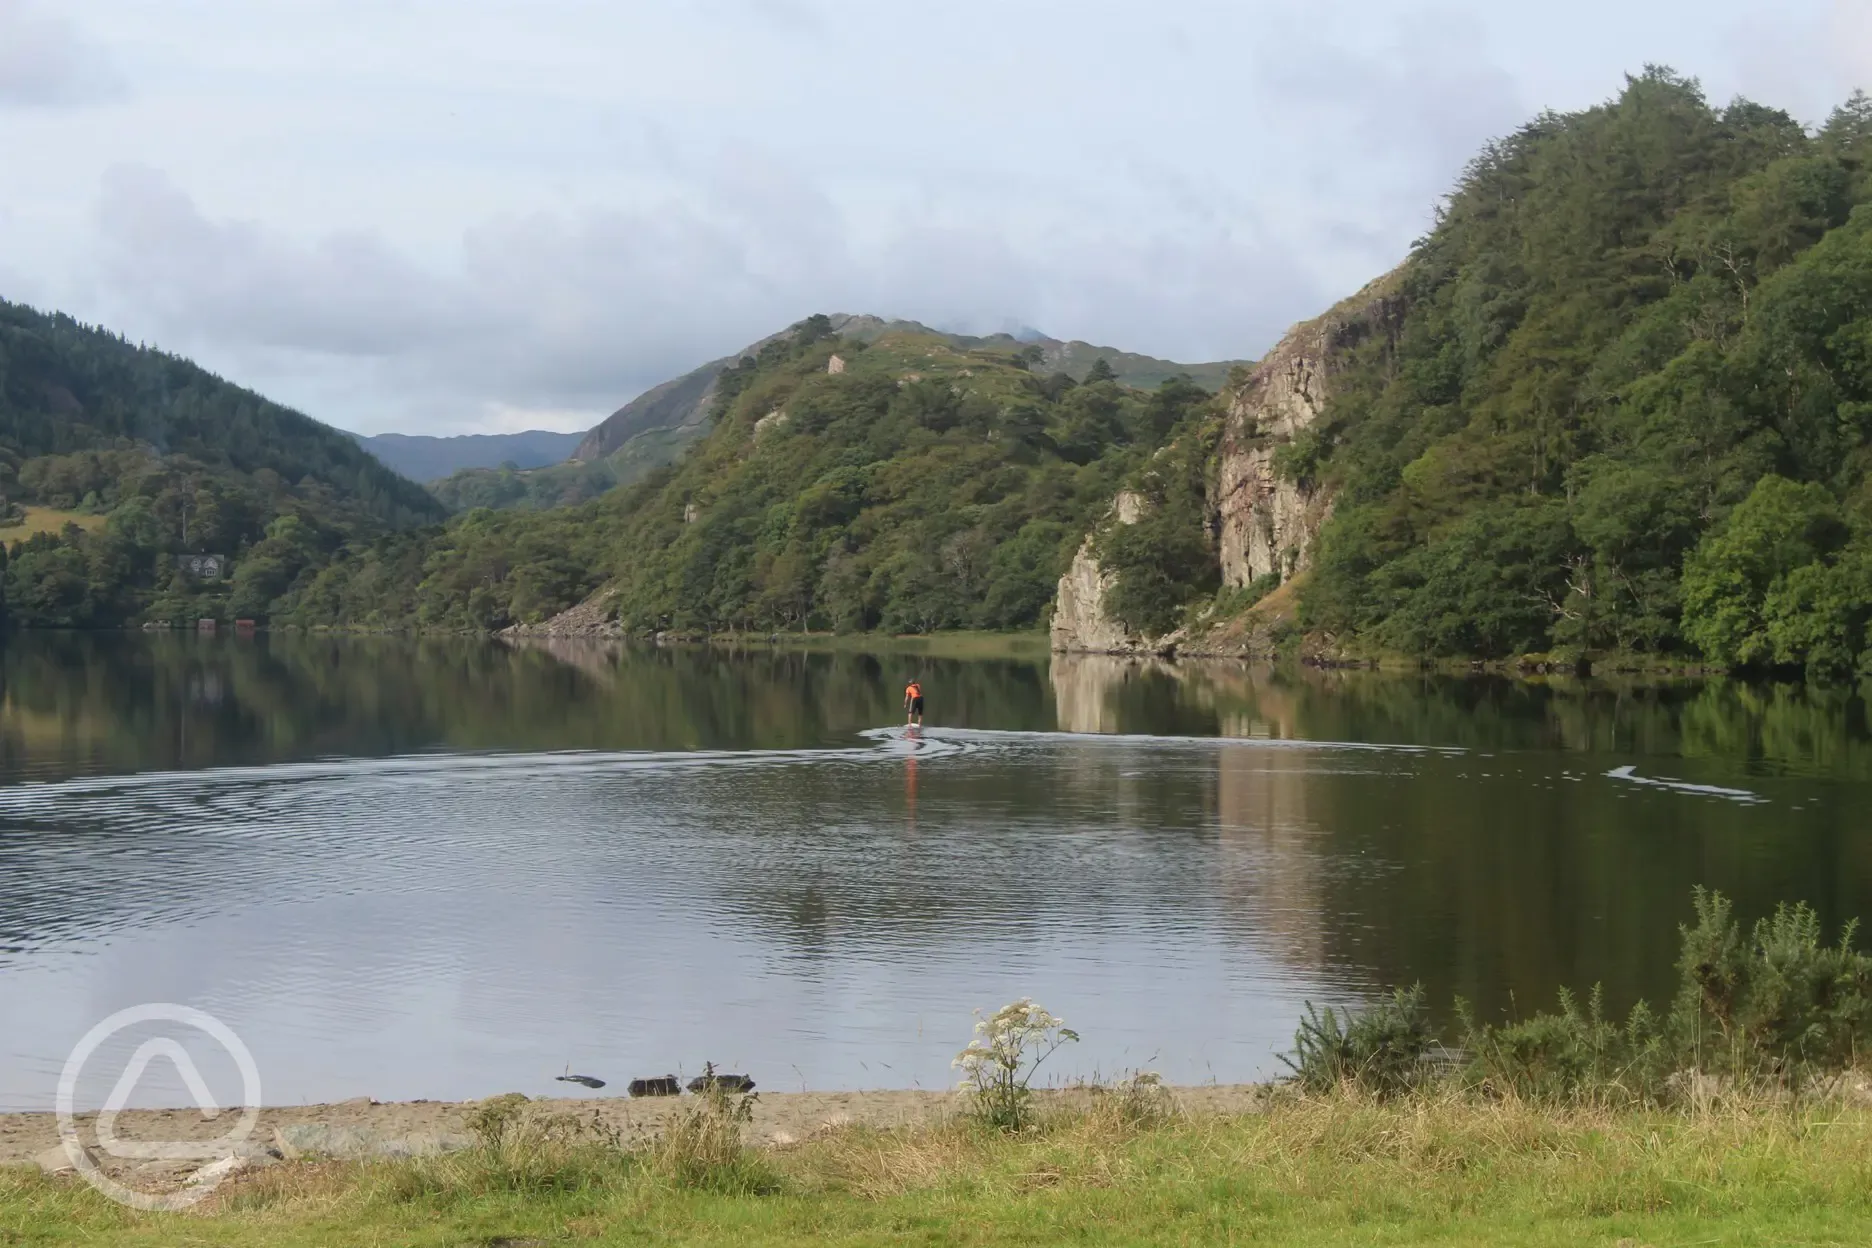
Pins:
<point x="1539" y="1134"/>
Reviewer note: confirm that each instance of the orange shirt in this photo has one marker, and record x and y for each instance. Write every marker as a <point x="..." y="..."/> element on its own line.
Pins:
<point x="914" y="691"/>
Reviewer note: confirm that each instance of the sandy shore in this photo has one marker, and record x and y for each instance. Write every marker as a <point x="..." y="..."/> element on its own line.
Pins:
<point x="779" y="1117"/>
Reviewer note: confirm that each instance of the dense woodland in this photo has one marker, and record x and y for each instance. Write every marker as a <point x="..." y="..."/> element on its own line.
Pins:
<point x="1628" y="406"/>
<point x="928" y="485"/>
<point x="925" y="486"/>
<point x="145" y="457"/>
<point x="533" y="489"/>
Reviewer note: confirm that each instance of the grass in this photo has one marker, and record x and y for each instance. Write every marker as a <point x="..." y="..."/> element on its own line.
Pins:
<point x="1340" y="1169"/>
<point x="47" y="520"/>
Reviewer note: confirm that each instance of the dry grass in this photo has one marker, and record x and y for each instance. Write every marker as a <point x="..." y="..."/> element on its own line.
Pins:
<point x="47" y="520"/>
<point x="1355" y="1153"/>
<point x="704" y="1146"/>
<point x="1110" y="1168"/>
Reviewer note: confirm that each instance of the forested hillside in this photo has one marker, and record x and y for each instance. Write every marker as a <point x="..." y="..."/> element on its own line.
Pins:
<point x="116" y="459"/>
<point x="659" y="426"/>
<point x="903" y="483"/>
<point x="925" y="487"/>
<point x="1619" y="401"/>
<point x="1627" y="406"/>
<point x="552" y="485"/>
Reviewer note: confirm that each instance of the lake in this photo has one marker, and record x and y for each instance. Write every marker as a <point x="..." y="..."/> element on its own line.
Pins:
<point x="448" y="869"/>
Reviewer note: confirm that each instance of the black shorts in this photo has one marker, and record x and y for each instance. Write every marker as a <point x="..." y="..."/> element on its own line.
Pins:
<point x="916" y="706"/>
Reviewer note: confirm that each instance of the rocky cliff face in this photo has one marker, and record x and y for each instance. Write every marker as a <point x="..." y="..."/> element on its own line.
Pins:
<point x="1080" y="623"/>
<point x="1264" y="524"/>
<point x="1268" y="525"/>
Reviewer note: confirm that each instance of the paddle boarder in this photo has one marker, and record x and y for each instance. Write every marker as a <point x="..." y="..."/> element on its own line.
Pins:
<point x="913" y="703"/>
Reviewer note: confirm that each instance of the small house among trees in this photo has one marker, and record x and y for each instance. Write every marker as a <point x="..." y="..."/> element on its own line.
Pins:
<point x="202" y="567"/>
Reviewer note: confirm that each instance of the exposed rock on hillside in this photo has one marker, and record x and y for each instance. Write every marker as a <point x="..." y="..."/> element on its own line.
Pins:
<point x="591" y="618"/>
<point x="1080" y="622"/>
<point x="1265" y="524"/>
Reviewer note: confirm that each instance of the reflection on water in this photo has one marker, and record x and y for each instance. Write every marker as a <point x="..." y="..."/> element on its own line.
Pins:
<point x="449" y="868"/>
<point x="1271" y="854"/>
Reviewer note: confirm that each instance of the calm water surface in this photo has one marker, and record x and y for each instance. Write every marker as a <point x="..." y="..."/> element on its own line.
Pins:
<point x="439" y="869"/>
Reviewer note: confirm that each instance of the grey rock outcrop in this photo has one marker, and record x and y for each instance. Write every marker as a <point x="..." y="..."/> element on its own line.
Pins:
<point x="1264" y="524"/>
<point x="590" y="618"/>
<point x="1268" y="524"/>
<point x="233" y="1164"/>
<point x="1081" y="624"/>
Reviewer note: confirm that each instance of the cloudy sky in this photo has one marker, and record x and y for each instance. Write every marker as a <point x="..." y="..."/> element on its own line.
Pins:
<point x="471" y="215"/>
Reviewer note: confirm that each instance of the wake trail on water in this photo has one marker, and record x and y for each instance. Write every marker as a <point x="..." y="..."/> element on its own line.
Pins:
<point x="1630" y="775"/>
<point x="1010" y="736"/>
<point x="428" y="770"/>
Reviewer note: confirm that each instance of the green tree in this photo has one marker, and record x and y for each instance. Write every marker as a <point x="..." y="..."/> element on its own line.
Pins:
<point x="1781" y="528"/>
<point x="1817" y="616"/>
<point x="1165" y="558"/>
<point x="1625" y="319"/>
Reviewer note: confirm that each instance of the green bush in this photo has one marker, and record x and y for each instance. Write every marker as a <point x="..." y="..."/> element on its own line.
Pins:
<point x="1776" y="1008"/>
<point x="1382" y="1049"/>
<point x="1779" y="1004"/>
<point x="1165" y="560"/>
<point x="1570" y="1055"/>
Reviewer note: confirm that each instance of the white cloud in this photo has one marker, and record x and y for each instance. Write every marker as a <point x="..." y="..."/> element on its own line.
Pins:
<point x="46" y="62"/>
<point x="1409" y="102"/>
<point x="553" y="314"/>
<point x="426" y="214"/>
<point x="347" y="294"/>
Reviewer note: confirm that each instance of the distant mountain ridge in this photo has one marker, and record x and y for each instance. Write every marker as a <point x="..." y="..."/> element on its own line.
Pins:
<point x="425" y="458"/>
<point x="675" y="405"/>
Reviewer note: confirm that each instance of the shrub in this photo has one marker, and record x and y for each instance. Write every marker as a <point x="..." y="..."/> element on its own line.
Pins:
<point x="1571" y="1055"/>
<point x="1779" y="1007"/>
<point x="1165" y="560"/>
<point x="1382" y="1049"/>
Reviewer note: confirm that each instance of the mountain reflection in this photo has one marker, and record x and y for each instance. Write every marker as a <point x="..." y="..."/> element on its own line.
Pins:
<point x="1208" y="812"/>
<point x="1512" y="869"/>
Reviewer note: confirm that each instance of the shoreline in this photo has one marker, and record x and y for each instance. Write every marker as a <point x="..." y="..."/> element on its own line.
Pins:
<point x="965" y="644"/>
<point x="779" y="1118"/>
<point x="1306" y="1170"/>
